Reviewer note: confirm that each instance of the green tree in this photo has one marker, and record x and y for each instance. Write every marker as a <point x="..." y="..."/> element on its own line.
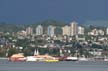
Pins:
<point x="12" y="51"/>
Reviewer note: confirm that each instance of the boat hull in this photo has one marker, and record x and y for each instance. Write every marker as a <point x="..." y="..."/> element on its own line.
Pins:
<point x="51" y="60"/>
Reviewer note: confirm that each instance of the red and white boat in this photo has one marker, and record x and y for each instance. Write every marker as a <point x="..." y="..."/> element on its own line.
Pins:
<point x="17" y="57"/>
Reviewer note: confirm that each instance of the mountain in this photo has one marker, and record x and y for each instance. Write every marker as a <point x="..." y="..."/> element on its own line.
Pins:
<point x="46" y="23"/>
<point x="5" y="27"/>
<point x="49" y="22"/>
<point x="96" y="23"/>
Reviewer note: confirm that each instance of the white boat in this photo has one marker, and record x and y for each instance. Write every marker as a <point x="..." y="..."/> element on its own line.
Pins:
<point x="71" y="58"/>
<point x="82" y="59"/>
<point x="105" y="58"/>
<point x="30" y="58"/>
<point x="34" y="59"/>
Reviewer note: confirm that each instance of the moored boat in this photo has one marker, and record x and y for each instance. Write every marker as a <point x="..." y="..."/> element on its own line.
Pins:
<point x="106" y="59"/>
<point x="17" y="57"/>
<point x="34" y="59"/>
<point x="82" y="59"/>
<point x="71" y="58"/>
<point x="30" y="58"/>
<point x="51" y="60"/>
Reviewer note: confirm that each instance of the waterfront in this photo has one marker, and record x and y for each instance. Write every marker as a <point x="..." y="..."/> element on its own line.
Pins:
<point x="58" y="66"/>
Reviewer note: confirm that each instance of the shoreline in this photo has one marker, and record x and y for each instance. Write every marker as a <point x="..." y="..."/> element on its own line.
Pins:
<point x="4" y="58"/>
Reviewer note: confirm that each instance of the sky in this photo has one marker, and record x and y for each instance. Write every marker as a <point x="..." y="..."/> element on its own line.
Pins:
<point x="32" y="11"/>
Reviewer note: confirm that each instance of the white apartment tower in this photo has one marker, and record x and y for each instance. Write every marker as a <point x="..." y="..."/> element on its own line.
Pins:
<point x="80" y="30"/>
<point x="66" y="30"/>
<point x="107" y="31"/>
<point x="29" y="31"/>
<point x="39" y="30"/>
<point x="74" y="29"/>
<point x="50" y="30"/>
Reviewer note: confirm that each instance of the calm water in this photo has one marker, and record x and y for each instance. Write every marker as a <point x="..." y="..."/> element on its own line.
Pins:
<point x="59" y="66"/>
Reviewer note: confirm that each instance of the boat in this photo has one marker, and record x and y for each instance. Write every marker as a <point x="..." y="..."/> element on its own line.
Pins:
<point x="71" y="58"/>
<point x="34" y="59"/>
<point x="82" y="59"/>
<point x="17" y="57"/>
<point x="30" y="58"/>
<point x="51" y="60"/>
<point x="105" y="58"/>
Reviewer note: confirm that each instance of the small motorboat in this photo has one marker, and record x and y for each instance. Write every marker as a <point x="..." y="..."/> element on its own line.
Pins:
<point x="71" y="58"/>
<point x="82" y="59"/>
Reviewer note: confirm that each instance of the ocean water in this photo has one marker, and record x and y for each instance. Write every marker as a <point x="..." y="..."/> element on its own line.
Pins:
<point x="58" y="66"/>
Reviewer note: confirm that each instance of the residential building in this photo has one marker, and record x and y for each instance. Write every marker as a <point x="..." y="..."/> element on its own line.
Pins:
<point x="96" y="32"/>
<point x="39" y="30"/>
<point x="66" y="30"/>
<point x="50" y="30"/>
<point x="73" y="29"/>
<point x="80" y="30"/>
<point x="107" y="31"/>
<point x="101" y="32"/>
<point x="29" y="31"/>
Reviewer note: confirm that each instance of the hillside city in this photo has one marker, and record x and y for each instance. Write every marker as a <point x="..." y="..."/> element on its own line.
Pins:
<point x="67" y="40"/>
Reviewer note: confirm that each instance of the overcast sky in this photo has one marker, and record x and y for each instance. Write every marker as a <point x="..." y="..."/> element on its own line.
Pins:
<point x="31" y="11"/>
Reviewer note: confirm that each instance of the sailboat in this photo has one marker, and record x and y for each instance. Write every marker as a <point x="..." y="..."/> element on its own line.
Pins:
<point x="36" y="52"/>
<point x="33" y="58"/>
